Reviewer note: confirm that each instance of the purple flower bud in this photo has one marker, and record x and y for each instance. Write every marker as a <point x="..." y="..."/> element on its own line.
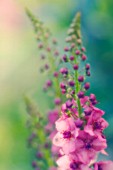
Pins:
<point x="87" y="86"/>
<point x="75" y="66"/>
<point x="39" y="155"/>
<point x="83" y="57"/>
<point x="55" y="74"/>
<point x="77" y="52"/>
<point x="71" y="58"/>
<point x="83" y="49"/>
<point x="88" y="73"/>
<point x="64" y="70"/>
<point x="62" y="85"/>
<point x="34" y="164"/>
<point x="69" y="104"/>
<point x="87" y="66"/>
<point x="66" y="49"/>
<point x="88" y="111"/>
<point x="49" y="83"/>
<point x="46" y="66"/>
<point x="78" y="123"/>
<point x="46" y="145"/>
<point x="92" y="97"/>
<point x="64" y="58"/>
<point x="57" y="101"/>
<point x="81" y="94"/>
<point x="71" y="83"/>
<point x="81" y="78"/>
<point x="63" y="91"/>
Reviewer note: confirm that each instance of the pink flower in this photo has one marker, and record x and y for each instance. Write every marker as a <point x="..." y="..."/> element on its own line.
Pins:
<point x="67" y="132"/>
<point x="95" y="123"/>
<point x="103" y="165"/>
<point x="65" y="123"/>
<point x="88" y="146"/>
<point x="98" y="111"/>
<point x="95" y="126"/>
<point x="84" y="100"/>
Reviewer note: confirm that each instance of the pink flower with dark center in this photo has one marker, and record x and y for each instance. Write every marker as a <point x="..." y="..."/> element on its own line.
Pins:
<point x="67" y="132"/>
<point x="95" y="123"/>
<point x="87" y="146"/>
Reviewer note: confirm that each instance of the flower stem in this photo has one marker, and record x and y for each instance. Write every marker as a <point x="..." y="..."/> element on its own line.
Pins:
<point x="78" y="86"/>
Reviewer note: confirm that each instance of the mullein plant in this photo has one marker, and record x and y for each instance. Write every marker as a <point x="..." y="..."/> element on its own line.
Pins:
<point x="42" y="127"/>
<point x="37" y="138"/>
<point x="79" y="137"/>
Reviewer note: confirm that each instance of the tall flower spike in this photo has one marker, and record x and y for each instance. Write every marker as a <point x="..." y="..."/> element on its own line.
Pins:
<point x="81" y="126"/>
<point x="48" y="52"/>
<point x="47" y="47"/>
<point x="37" y="138"/>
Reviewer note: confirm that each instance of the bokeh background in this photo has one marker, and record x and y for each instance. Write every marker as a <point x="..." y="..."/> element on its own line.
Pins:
<point x="19" y="66"/>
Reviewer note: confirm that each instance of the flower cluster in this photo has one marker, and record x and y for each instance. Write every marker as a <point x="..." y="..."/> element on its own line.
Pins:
<point x="79" y="136"/>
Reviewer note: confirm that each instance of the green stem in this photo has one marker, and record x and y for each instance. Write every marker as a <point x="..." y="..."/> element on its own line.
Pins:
<point x="78" y="86"/>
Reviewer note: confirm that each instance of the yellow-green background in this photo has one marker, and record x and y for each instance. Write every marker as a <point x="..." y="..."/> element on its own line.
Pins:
<point x="19" y="65"/>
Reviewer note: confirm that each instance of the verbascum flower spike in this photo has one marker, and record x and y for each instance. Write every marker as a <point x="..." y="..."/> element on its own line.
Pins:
<point x="49" y="54"/>
<point x="80" y="128"/>
<point x="37" y="138"/>
<point x="47" y="48"/>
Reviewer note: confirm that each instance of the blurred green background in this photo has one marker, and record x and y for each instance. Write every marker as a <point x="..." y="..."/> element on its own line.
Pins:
<point x="19" y="65"/>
